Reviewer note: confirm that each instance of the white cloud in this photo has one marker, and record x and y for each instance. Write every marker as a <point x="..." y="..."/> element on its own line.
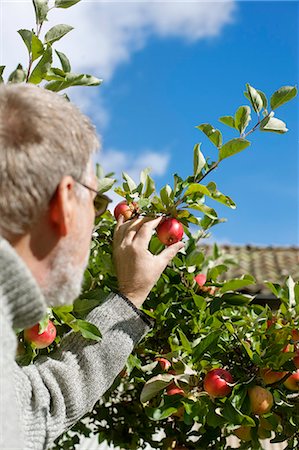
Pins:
<point x="106" y="35"/>
<point x="117" y="161"/>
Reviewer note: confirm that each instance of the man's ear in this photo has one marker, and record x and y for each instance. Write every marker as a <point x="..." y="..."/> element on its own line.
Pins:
<point x="62" y="206"/>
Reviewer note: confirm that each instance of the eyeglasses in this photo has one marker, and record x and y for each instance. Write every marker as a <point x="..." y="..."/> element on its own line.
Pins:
<point x="100" y="202"/>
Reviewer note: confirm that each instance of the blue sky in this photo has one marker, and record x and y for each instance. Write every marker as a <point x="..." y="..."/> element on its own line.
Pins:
<point x="169" y="66"/>
<point x="171" y="85"/>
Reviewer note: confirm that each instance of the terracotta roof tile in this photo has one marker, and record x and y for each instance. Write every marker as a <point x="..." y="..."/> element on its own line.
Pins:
<point x="264" y="263"/>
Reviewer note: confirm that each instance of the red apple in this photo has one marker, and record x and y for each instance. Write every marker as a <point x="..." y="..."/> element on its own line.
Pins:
<point x="243" y="433"/>
<point x="261" y="400"/>
<point x="270" y="376"/>
<point x="200" y="279"/>
<point x="40" y="340"/>
<point x="292" y="383"/>
<point x="173" y="389"/>
<point x="216" y="383"/>
<point x="164" y="363"/>
<point x="126" y="209"/>
<point x="271" y="322"/>
<point x="170" y="231"/>
<point x="295" y="336"/>
<point x="296" y="359"/>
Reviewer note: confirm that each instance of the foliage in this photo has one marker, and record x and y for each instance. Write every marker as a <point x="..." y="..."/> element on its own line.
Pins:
<point x="41" y="68"/>
<point x="196" y="328"/>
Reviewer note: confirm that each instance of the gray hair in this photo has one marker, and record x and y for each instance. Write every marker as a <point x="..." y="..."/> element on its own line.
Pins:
<point x="42" y="138"/>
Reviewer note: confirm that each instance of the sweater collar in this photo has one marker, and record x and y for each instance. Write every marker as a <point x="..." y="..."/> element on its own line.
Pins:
<point x="20" y="295"/>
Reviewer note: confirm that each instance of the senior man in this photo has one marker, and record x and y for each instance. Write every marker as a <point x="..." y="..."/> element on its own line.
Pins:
<point x="47" y="192"/>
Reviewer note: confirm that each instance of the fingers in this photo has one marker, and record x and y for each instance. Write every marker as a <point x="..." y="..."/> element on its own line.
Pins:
<point x="140" y="228"/>
<point x="171" y="251"/>
<point x="133" y="228"/>
<point x="117" y="230"/>
<point x="145" y="231"/>
<point x="126" y="230"/>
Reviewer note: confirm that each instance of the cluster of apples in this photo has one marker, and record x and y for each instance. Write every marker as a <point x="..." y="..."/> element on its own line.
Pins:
<point x="218" y="383"/>
<point x="270" y="376"/>
<point x="169" y="230"/>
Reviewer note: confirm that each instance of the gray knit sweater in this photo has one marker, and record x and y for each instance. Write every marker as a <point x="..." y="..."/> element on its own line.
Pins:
<point x="41" y="401"/>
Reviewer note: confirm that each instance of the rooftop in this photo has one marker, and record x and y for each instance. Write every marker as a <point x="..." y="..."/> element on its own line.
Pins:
<point x="264" y="263"/>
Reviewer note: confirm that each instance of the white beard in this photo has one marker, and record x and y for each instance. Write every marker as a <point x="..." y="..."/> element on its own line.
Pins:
<point x="65" y="280"/>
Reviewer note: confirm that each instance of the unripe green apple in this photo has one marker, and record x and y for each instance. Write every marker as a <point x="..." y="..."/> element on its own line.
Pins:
<point x="261" y="400"/>
<point x="40" y="340"/>
<point x="216" y="383"/>
<point x="170" y="231"/>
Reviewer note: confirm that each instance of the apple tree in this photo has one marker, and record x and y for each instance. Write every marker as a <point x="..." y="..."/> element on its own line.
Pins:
<point x="215" y="364"/>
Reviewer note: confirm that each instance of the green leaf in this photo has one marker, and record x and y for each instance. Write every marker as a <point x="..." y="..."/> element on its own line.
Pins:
<point x="149" y="187"/>
<point x="165" y="194"/>
<point x="1" y="73"/>
<point x="228" y="120"/>
<point x="232" y="147"/>
<point x="198" y="160"/>
<point x="207" y="342"/>
<point x="73" y="79"/>
<point x="236" y="284"/>
<point x="41" y="10"/>
<point x="185" y="343"/>
<point x="18" y="75"/>
<point x="66" y="317"/>
<point x="214" y="272"/>
<point x="133" y="361"/>
<point x="54" y="74"/>
<point x="214" y="135"/>
<point x="219" y="197"/>
<point x="42" y="67"/>
<point x="274" y="288"/>
<point x="255" y="98"/>
<point x="236" y="417"/>
<point x="89" y="330"/>
<point x="283" y="95"/>
<point x="160" y="413"/>
<point x="264" y="98"/>
<point x="56" y="33"/>
<point x="105" y="184"/>
<point x="210" y="212"/>
<point x="236" y="299"/>
<point x="37" y="48"/>
<point x="65" y="3"/>
<point x="129" y="182"/>
<point x="65" y="63"/>
<point x="153" y="386"/>
<point x="242" y="118"/>
<point x="83" y="306"/>
<point x="196" y="187"/>
<point x="273" y="124"/>
<point x="43" y="324"/>
<point x="26" y="35"/>
<point x="247" y="347"/>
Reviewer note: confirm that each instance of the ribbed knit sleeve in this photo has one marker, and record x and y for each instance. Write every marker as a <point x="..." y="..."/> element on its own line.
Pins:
<point x="58" y="390"/>
<point x="23" y="303"/>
